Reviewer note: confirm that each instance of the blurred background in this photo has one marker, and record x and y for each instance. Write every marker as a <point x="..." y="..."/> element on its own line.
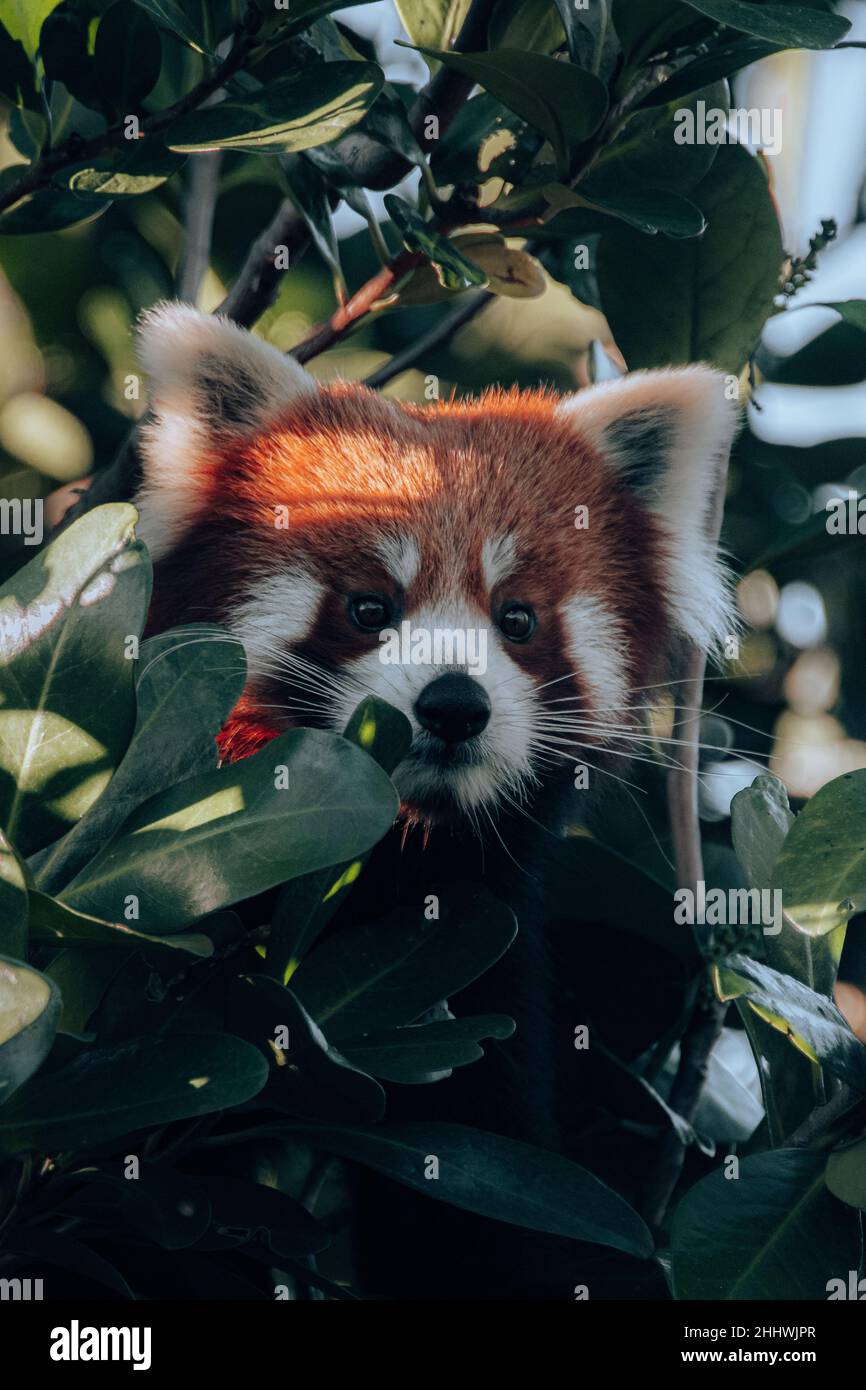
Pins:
<point x="795" y="697"/>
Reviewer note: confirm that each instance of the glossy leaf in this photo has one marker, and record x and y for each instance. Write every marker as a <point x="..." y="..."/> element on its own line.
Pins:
<point x="297" y="113"/>
<point x="189" y="679"/>
<point x="380" y="974"/>
<point x="54" y="923"/>
<point x="455" y="271"/>
<point x="417" y="1053"/>
<point x="307" y="1076"/>
<point x="808" y="1015"/>
<point x="701" y="300"/>
<point x="127" y="55"/>
<point x="821" y="869"/>
<point x="243" y="1211"/>
<point x="29" y="1013"/>
<point x="773" y="1233"/>
<point x="305" y="905"/>
<point x="567" y="104"/>
<point x="790" y="25"/>
<point x="110" y="1091"/>
<point x="651" y="210"/>
<point x="68" y="685"/>
<point x="225" y="835"/>
<point x="496" y="1177"/>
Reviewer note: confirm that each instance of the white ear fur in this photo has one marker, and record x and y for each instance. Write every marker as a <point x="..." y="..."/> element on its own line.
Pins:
<point x="209" y="378"/>
<point x="669" y="433"/>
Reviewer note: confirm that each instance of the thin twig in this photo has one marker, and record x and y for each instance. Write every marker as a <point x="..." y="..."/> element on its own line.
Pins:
<point x="470" y="305"/>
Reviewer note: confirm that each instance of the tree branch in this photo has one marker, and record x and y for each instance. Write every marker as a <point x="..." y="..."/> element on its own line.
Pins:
<point x="258" y="282"/>
<point x="75" y="150"/>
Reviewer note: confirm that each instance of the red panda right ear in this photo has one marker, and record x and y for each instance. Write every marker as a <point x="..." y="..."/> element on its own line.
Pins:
<point x="209" y="379"/>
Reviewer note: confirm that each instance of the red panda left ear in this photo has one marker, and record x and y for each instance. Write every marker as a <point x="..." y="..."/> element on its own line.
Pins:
<point x="668" y="434"/>
<point x="209" y="380"/>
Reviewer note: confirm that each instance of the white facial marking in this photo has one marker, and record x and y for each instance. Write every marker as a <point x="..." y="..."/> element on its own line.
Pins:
<point x="281" y="611"/>
<point x="597" y="647"/>
<point x="500" y="755"/>
<point x="401" y="557"/>
<point x="498" y="557"/>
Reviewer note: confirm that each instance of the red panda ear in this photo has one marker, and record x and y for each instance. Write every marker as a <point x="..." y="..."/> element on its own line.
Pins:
<point x="668" y="435"/>
<point x="209" y="380"/>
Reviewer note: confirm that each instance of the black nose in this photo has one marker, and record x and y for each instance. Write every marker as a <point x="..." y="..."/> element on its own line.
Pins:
<point x="454" y="707"/>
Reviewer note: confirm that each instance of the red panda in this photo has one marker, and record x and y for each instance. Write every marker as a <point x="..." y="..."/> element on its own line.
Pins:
<point x="565" y="535"/>
<point x="326" y="527"/>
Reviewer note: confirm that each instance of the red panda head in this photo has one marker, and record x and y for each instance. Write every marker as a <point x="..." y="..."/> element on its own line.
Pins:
<point x="511" y="572"/>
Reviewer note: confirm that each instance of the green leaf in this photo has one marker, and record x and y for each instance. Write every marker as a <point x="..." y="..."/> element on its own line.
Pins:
<point x="243" y="1211"/>
<point x="772" y="1233"/>
<point x="845" y="1174"/>
<point x="791" y="26"/>
<point x="307" y="1077"/>
<point x="629" y="1096"/>
<point x="567" y="104"/>
<point x="533" y="26"/>
<point x="54" y="923"/>
<point x="702" y="300"/>
<point x="651" y="210"/>
<point x="305" y="905"/>
<point x="68" y="705"/>
<point x="225" y="835"/>
<point x="454" y="271"/>
<point x="174" y="19"/>
<point x="110" y="1091"/>
<point x="436" y="23"/>
<point x="23" y="20"/>
<point x="189" y="680"/>
<point x="17" y="75"/>
<point x="821" y="869"/>
<point x="29" y="1013"/>
<point x="646" y="151"/>
<point x="811" y="1016"/>
<point x="126" y="173"/>
<point x="82" y="978"/>
<point x="485" y="140"/>
<point x="309" y="193"/>
<point x="410" y="1055"/>
<point x="127" y="55"/>
<point x="496" y="1177"/>
<point x="67" y="56"/>
<point x="14" y="882"/>
<point x="647" y="27"/>
<point x="760" y="821"/>
<point x="592" y="40"/>
<point x="164" y="1207"/>
<point x="303" y="110"/>
<point x="384" y="973"/>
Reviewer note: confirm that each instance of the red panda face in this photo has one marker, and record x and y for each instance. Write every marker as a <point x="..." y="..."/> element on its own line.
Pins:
<point x="510" y="572"/>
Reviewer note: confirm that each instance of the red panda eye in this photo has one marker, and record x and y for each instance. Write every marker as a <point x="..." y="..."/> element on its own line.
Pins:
<point x="517" y="621"/>
<point x="369" y="612"/>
